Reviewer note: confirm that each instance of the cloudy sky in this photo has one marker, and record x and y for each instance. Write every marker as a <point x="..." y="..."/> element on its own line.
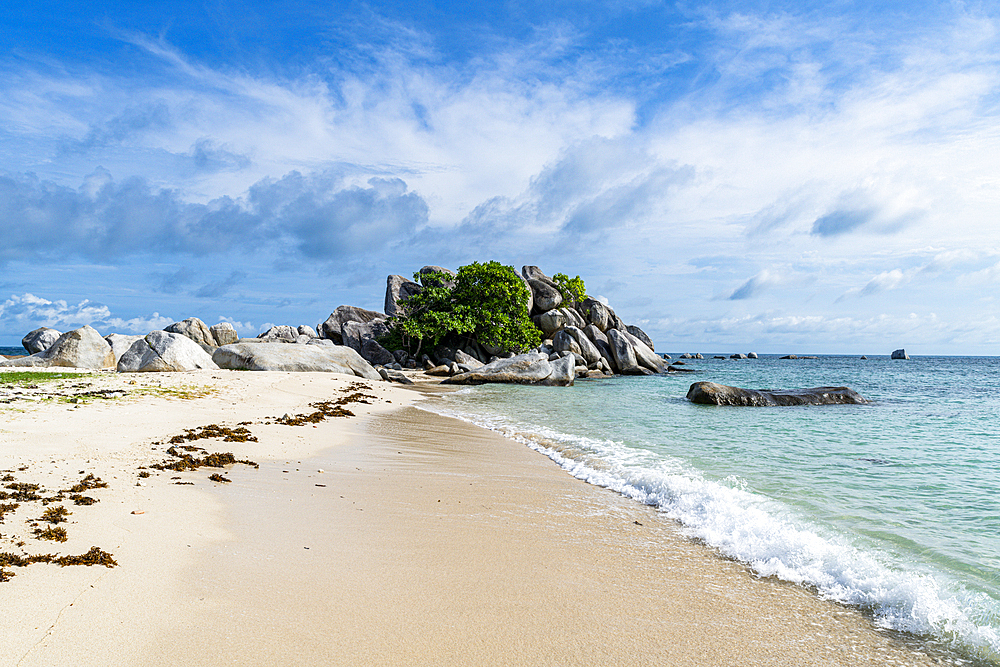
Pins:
<point x="732" y="176"/>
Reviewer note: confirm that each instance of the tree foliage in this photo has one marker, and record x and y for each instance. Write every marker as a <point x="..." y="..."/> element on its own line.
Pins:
<point x="486" y="302"/>
<point x="572" y="289"/>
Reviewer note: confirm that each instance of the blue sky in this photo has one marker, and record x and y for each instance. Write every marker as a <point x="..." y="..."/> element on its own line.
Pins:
<point x="777" y="177"/>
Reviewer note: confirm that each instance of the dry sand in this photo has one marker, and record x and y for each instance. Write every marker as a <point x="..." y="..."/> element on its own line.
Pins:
<point x="397" y="537"/>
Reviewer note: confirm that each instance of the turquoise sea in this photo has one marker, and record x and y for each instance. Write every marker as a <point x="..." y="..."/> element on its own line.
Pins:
<point x="892" y="507"/>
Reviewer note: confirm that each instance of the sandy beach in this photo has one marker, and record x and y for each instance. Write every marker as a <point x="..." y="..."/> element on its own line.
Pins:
<point x="392" y="537"/>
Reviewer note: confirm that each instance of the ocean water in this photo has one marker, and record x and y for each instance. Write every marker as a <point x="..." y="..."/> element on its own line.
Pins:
<point x="892" y="507"/>
<point x="12" y="351"/>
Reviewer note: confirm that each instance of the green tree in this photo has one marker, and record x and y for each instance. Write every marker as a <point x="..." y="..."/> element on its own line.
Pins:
<point x="572" y="289"/>
<point x="496" y="300"/>
<point x="486" y="302"/>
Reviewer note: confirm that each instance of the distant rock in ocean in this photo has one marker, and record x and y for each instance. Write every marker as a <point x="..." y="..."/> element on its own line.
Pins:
<point x="900" y="354"/>
<point x="710" y="393"/>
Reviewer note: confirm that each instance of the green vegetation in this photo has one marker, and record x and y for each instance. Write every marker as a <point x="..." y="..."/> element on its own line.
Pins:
<point x="573" y="290"/>
<point x="22" y="378"/>
<point x="487" y="303"/>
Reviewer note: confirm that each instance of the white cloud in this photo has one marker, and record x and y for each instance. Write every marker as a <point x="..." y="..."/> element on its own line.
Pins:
<point x="23" y="313"/>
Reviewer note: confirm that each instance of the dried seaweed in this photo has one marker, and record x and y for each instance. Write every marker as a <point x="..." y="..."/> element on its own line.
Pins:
<point x="54" y="534"/>
<point x="188" y="462"/>
<point x="21" y="492"/>
<point x="238" y="434"/>
<point x="87" y="483"/>
<point x="219" y="478"/>
<point x="8" y="507"/>
<point x="55" y="515"/>
<point x="82" y="500"/>
<point x="95" y="556"/>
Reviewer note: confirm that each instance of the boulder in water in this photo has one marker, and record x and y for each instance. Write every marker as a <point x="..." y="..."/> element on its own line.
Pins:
<point x="710" y="393"/>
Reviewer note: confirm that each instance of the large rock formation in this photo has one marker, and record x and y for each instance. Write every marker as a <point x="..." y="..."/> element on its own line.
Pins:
<point x="164" y="351"/>
<point x="545" y="296"/>
<point x="397" y="290"/>
<point x="710" y="393"/>
<point x="354" y="334"/>
<point x="80" y="348"/>
<point x="120" y="343"/>
<point x="280" y="333"/>
<point x="332" y="328"/>
<point x="294" y="358"/>
<point x="623" y="353"/>
<point x="40" y="339"/>
<point x="196" y="330"/>
<point x="899" y="354"/>
<point x="530" y="368"/>
<point x="224" y="333"/>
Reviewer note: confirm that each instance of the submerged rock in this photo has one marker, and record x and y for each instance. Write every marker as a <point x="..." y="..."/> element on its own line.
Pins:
<point x="710" y="393"/>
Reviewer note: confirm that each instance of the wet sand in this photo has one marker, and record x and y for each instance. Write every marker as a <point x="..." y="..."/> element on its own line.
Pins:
<point x="424" y="540"/>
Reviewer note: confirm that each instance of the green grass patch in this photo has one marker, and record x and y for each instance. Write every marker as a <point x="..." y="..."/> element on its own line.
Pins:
<point x="22" y="378"/>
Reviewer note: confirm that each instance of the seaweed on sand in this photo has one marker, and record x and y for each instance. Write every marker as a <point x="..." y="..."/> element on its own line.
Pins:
<point x="238" y="434"/>
<point x="95" y="556"/>
<point x="325" y="409"/>
<point x="55" y="515"/>
<point x="87" y="483"/>
<point x="219" y="478"/>
<point x="7" y="507"/>
<point x="55" y="534"/>
<point x="189" y="462"/>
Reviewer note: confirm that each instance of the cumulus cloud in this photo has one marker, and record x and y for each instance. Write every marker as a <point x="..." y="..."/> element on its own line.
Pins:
<point x="26" y="312"/>
<point x="316" y="215"/>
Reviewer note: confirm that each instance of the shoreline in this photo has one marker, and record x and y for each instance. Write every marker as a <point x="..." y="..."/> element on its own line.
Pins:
<point x="519" y="562"/>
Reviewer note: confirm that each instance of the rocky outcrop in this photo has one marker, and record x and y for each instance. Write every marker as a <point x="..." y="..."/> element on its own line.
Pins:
<point x="397" y="290"/>
<point x="623" y="353"/>
<point x="530" y="368"/>
<point x="308" y="331"/>
<point x="224" y="333"/>
<point x="470" y="362"/>
<point x="80" y="348"/>
<point x="899" y="354"/>
<point x="332" y="328"/>
<point x="375" y="354"/>
<point x="40" y="339"/>
<point x="354" y="334"/>
<point x="710" y="393"/>
<point x="294" y="358"/>
<point x="120" y="343"/>
<point x="545" y="296"/>
<point x="280" y="333"/>
<point x="643" y="355"/>
<point x="164" y="351"/>
<point x="641" y="335"/>
<point x="431" y="282"/>
<point x="196" y="330"/>
<point x="587" y="349"/>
